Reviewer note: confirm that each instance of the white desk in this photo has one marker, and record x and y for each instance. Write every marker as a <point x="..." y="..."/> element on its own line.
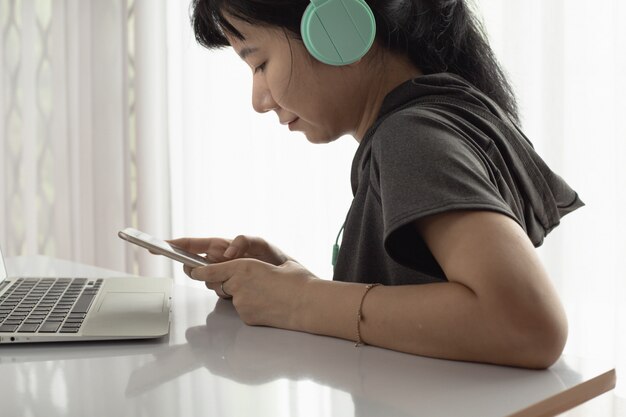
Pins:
<point x="212" y="364"/>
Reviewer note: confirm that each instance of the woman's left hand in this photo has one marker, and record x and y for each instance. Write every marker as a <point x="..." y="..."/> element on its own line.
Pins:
<point x="262" y="293"/>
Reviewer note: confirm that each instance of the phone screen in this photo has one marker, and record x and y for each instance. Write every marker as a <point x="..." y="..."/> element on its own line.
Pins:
<point x="161" y="247"/>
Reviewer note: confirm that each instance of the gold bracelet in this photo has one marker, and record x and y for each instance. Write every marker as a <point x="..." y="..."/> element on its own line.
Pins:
<point x="359" y="316"/>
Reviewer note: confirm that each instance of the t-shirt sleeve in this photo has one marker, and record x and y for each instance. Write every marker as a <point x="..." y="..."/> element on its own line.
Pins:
<point x="424" y="166"/>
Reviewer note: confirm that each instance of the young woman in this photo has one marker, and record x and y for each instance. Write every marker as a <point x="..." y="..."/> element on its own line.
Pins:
<point x="450" y="198"/>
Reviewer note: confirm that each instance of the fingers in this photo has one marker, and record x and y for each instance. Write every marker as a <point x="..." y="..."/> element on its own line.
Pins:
<point x="192" y="244"/>
<point x="219" y="250"/>
<point x="220" y="289"/>
<point x="223" y="290"/>
<point x="216" y="273"/>
<point x="215" y="286"/>
<point x="216" y="276"/>
<point x="238" y="247"/>
<point x="239" y="269"/>
<point x="213" y="247"/>
<point x="257" y="248"/>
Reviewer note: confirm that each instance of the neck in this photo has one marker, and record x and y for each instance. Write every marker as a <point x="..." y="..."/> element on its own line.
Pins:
<point x="395" y="70"/>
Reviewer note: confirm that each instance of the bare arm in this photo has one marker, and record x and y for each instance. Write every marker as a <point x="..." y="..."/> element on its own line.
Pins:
<point x="499" y="306"/>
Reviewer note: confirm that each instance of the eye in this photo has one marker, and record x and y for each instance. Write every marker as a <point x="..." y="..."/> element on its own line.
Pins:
<point x="260" y="67"/>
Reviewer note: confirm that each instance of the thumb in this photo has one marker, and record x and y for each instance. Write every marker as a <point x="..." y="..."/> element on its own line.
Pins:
<point x="222" y="271"/>
<point x="218" y="272"/>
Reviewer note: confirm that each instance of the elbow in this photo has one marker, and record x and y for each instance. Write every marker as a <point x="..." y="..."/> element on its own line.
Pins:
<point x="545" y="348"/>
<point x="541" y="343"/>
<point x="553" y="342"/>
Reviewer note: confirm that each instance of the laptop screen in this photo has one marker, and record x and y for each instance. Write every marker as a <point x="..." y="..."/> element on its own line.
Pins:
<point x="3" y="271"/>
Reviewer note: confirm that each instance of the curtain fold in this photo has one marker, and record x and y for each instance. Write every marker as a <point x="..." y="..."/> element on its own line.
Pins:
<point x="153" y="204"/>
<point x="84" y="132"/>
<point x="567" y="63"/>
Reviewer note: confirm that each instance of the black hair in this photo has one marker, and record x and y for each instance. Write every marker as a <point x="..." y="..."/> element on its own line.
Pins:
<point x="436" y="35"/>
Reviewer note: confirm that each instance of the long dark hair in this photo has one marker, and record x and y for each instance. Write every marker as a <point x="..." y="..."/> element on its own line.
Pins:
<point x="436" y="35"/>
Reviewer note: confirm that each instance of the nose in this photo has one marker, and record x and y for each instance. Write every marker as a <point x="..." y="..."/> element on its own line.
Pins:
<point x="262" y="99"/>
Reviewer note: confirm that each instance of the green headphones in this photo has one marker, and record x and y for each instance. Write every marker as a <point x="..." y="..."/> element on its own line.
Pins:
<point x="338" y="32"/>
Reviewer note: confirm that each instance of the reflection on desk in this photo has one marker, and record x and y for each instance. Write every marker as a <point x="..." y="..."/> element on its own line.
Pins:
<point x="378" y="380"/>
<point x="212" y="364"/>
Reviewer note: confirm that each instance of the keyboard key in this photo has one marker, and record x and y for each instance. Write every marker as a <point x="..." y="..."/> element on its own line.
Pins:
<point x="28" y="328"/>
<point x="10" y="328"/>
<point x="8" y="304"/>
<point x="69" y="330"/>
<point x="50" y="327"/>
<point x="83" y="303"/>
<point x="54" y="319"/>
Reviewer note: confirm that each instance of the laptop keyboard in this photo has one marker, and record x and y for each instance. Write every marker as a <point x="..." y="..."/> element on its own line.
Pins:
<point x="47" y="305"/>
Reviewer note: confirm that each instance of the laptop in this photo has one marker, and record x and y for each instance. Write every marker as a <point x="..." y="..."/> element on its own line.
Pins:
<point x="68" y="309"/>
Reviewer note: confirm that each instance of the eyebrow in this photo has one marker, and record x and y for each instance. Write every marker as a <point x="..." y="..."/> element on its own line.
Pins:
<point x="247" y="51"/>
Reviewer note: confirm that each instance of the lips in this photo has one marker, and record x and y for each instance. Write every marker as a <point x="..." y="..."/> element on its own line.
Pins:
<point x="289" y="121"/>
<point x="293" y="122"/>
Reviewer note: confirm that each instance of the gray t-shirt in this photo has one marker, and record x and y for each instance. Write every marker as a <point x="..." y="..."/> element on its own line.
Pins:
<point x="439" y="144"/>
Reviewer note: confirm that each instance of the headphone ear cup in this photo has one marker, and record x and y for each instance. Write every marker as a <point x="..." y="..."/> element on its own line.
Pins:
<point x="338" y="32"/>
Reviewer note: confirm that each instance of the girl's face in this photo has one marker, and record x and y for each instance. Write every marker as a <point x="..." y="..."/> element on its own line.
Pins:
<point x="322" y="101"/>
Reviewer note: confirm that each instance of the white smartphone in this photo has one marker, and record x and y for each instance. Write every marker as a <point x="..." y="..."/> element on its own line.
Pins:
<point x="162" y="247"/>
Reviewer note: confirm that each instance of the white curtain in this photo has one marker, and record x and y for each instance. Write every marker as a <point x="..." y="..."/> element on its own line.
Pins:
<point x="83" y="129"/>
<point x="238" y="172"/>
<point x="235" y="171"/>
<point x="567" y="61"/>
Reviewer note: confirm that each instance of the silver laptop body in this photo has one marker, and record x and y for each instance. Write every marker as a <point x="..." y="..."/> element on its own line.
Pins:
<point x="64" y="309"/>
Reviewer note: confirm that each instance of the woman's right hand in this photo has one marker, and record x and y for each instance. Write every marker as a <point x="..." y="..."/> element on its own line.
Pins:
<point x="221" y="250"/>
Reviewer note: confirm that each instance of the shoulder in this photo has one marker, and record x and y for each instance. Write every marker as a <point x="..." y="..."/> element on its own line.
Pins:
<point x="414" y="120"/>
<point x="430" y="133"/>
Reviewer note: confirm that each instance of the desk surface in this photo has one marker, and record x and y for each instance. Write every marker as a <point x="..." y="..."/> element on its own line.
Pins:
<point x="212" y="364"/>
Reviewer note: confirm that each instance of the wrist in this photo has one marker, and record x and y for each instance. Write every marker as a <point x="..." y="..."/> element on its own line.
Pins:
<point x="330" y="308"/>
<point x="303" y="308"/>
<point x="360" y="317"/>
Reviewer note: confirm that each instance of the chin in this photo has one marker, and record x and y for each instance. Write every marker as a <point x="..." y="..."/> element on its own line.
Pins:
<point x="318" y="138"/>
